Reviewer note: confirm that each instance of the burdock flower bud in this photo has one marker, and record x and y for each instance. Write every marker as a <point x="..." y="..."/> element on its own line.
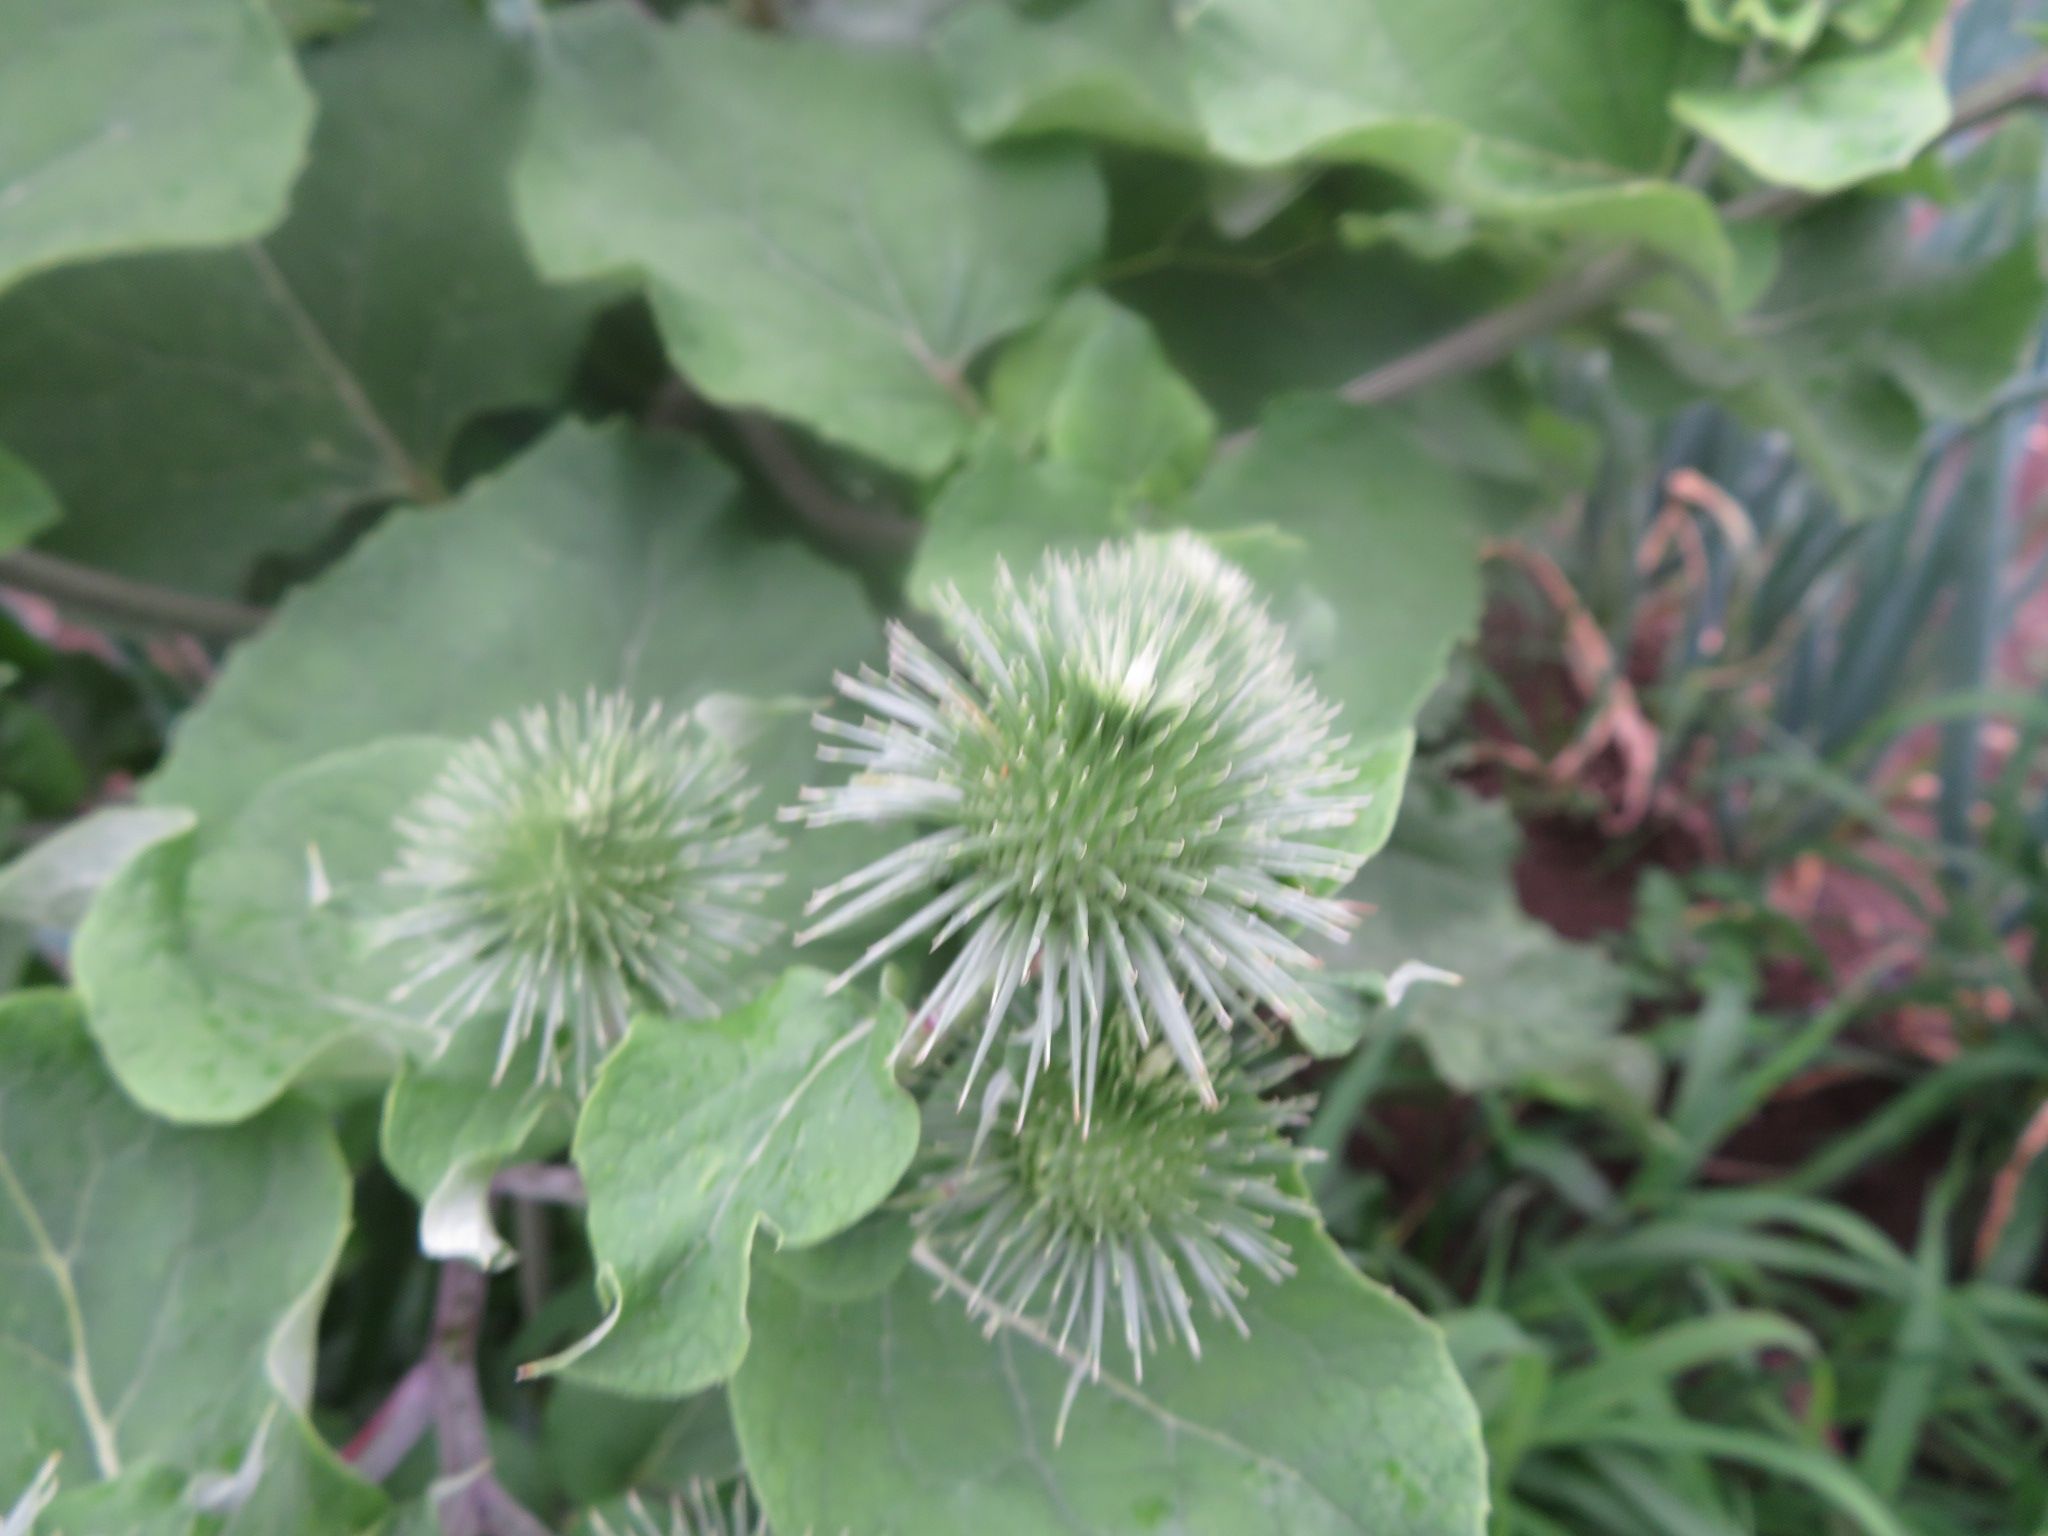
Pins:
<point x="1126" y="794"/>
<point x="576" y="862"/>
<point x="1154" y="1215"/>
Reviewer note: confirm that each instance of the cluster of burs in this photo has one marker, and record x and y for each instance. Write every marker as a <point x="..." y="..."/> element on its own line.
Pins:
<point x="1115" y="811"/>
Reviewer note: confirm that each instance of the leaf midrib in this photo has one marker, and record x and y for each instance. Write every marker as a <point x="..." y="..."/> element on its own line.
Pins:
<point x="106" y="1451"/>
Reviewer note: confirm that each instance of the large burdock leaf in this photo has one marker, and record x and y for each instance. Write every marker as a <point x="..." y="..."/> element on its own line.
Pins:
<point x="596" y="560"/>
<point x="1341" y="1413"/>
<point x="287" y="1479"/>
<point x="816" y="236"/>
<point x="1112" y="68"/>
<point x="217" y="975"/>
<point x="1000" y="508"/>
<point x="784" y="1112"/>
<point x="128" y="125"/>
<point x="1580" y="80"/>
<point x="1365" y="547"/>
<point x="159" y="1285"/>
<point x="196" y="412"/>
<point x="1529" y="1006"/>
<point x="1829" y="124"/>
<point x="1550" y="113"/>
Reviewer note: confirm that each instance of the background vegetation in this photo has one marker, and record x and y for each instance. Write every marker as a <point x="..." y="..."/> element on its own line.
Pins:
<point x="1640" y="399"/>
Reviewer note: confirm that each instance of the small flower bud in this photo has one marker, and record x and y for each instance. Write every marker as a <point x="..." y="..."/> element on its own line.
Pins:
<point x="576" y="862"/>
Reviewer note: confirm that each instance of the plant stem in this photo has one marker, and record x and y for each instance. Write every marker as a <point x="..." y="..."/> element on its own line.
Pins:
<point x="1492" y="337"/>
<point x="530" y="1237"/>
<point x="395" y="1428"/>
<point x="468" y="1498"/>
<point x="551" y="1183"/>
<point x="121" y="601"/>
<point x="840" y="520"/>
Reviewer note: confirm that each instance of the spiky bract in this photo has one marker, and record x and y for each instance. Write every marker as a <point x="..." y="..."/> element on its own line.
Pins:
<point x="1127" y="795"/>
<point x="574" y="862"/>
<point x="1157" y="1211"/>
<point x="696" y="1512"/>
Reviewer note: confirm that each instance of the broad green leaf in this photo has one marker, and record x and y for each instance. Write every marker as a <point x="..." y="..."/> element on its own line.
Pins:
<point x="27" y="504"/>
<point x="287" y="1480"/>
<point x="127" y="125"/>
<point x="999" y="506"/>
<point x="1383" y="763"/>
<point x="1109" y="68"/>
<point x="145" y="1500"/>
<point x="1092" y="419"/>
<point x="54" y="882"/>
<point x="785" y="1112"/>
<point x="448" y="1128"/>
<point x="217" y="973"/>
<point x="308" y="21"/>
<point x="1549" y="113"/>
<point x="293" y="1481"/>
<point x="1376" y="570"/>
<point x="161" y="1284"/>
<point x="596" y="560"/>
<point x="1319" y="318"/>
<point x="1827" y="124"/>
<point x="1350" y="999"/>
<point x="1862" y="340"/>
<point x="1529" y="1004"/>
<point x="856" y="1265"/>
<point x="402" y="245"/>
<point x="196" y="413"/>
<point x="1340" y="1413"/>
<point x="1287" y="78"/>
<point x="814" y="234"/>
<point x="1091" y="388"/>
<point x="600" y="1444"/>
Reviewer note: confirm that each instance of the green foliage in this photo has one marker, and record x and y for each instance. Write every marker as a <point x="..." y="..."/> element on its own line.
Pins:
<point x="1551" y="117"/>
<point x="1526" y="1007"/>
<point x="107" y="105"/>
<point x="600" y="560"/>
<point x="1296" y="1425"/>
<point x="374" y="371"/>
<point x="1111" y="71"/>
<point x="1322" y="490"/>
<point x="219" y="972"/>
<point x="1860" y="340"/>
<point x="451" y="1123"/>
<point x="27" y="505"/>
<point x="392" y="306"/>
<point x="783" y="1112"/>
<point x="884" y="257"/>
<point x="118" y="1360"/>
<point x="1832" y="124"/>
